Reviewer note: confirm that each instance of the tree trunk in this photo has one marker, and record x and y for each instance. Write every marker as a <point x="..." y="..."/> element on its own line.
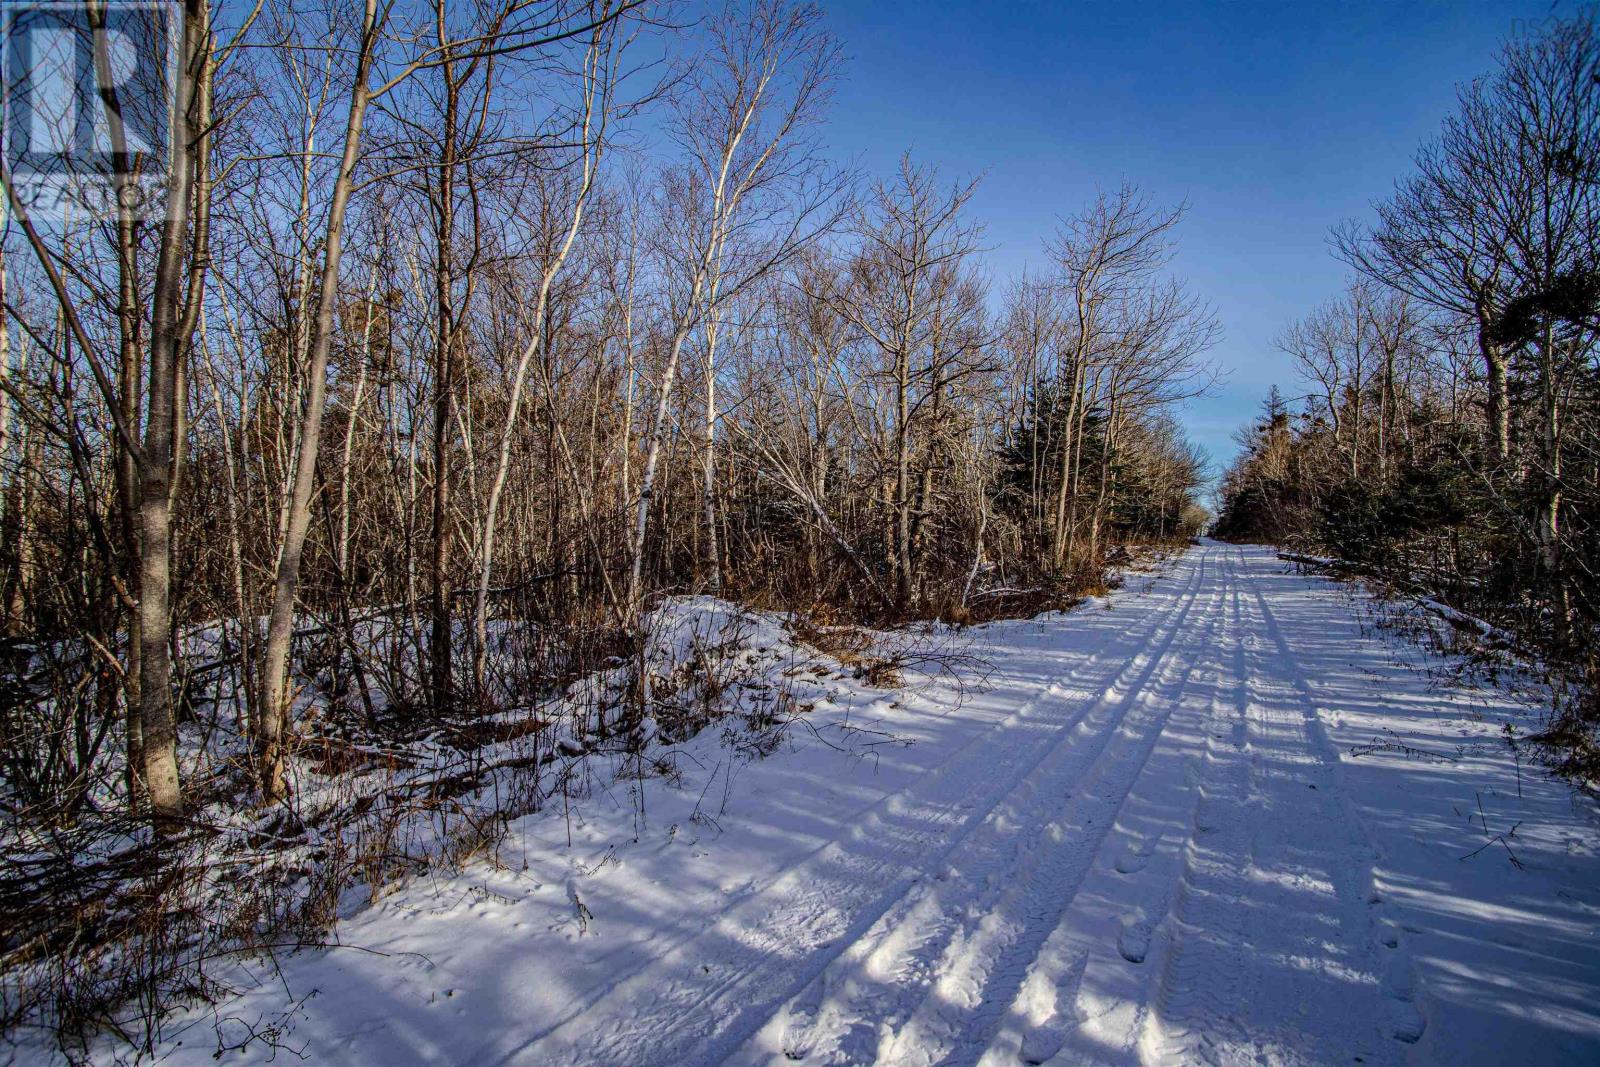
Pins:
<point x="164" y="416"/>
<point x="274" y="703"/>
<point x="1497" y="431"/>
<point x="902" y="477"/>
<point x="712" y="559"/>
<point x="445" y="359"/>
<point x="652" y="461"/>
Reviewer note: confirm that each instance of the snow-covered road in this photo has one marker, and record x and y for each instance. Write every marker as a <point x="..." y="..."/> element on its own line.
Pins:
<point x="1215" y="819"/>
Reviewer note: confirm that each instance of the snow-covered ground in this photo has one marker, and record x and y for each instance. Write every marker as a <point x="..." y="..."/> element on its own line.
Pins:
<point x="1214" y="818"/>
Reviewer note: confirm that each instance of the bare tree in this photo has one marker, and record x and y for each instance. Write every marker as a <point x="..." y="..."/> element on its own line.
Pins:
<point x="1104" y="255"/>
<point x="600" y="72"/>
<point x="914" y="249"/>
<point x="750" y="193"/>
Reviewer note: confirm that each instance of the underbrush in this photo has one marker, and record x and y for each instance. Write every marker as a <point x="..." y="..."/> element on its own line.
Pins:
<point x="1016" y="585"/>
<point x="1572" y="739"/>
<point x="1505" y="653"/>
<point x="107" y="927"/>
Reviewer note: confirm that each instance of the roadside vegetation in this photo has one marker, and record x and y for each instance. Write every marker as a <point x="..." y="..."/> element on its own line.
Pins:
<point x="344" y="495"/>
<point x="1449" y="444"/>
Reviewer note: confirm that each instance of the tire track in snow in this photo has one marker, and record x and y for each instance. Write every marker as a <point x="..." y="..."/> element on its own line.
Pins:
<point x="1277" y="945"/>
<point x="865" y="994"/>
<point x="982" y="970"/>
<point x="871" y="824"/>
<point x="1204" y="973"/>
<point x="1088" y="989"/>
<point x="1363" y="907"/>
<point x="1273" y="956"/>
<point x="702" y="996"/>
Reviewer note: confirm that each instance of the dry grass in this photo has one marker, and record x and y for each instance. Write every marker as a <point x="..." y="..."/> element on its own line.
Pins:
<point x="852" y="648"/>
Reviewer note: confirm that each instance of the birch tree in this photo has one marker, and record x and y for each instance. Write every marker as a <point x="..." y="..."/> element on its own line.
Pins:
<point x="599" y="74"/>
<point x="750" y="192"/>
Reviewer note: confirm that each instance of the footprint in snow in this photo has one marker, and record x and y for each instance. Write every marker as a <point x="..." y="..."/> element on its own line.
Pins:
<point x="1041" y="1043"/>
<point x="1406" y="1023"/>
<point x="1134" y="940"/>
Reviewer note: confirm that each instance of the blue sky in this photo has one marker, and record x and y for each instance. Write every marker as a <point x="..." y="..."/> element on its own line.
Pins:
<point x="1272" y="120"/>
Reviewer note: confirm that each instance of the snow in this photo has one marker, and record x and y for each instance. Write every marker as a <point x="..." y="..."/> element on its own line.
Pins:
<point x="1456" y="617"/>
<point x="1220" y="817"/>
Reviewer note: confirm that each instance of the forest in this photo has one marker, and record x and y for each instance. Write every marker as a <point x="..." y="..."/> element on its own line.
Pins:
<point x="444" y="341"/>
<point x="1449" y="442"/>
<point x="508" y="528"/>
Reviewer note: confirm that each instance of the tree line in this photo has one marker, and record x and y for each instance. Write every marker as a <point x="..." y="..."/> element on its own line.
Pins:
<point x="512" y="316"/>
<point x="1449" y="439"/>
